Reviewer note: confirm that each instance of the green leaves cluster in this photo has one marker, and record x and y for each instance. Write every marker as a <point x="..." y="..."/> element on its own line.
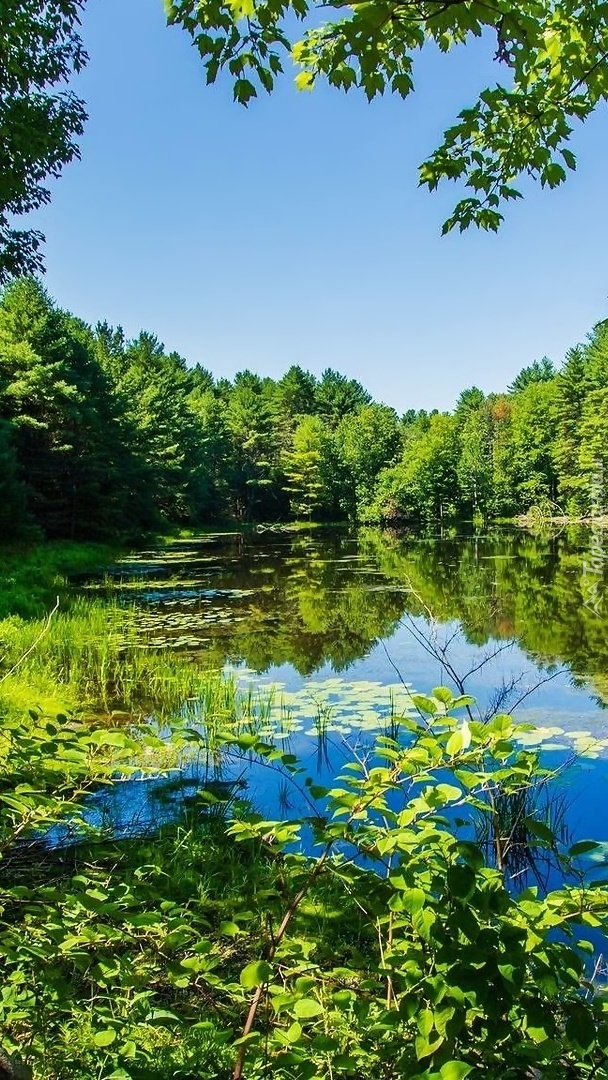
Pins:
<point x="398" y="948"/>
<point x="40" y="120"/>
<point x="48" y="766"/>
<point x="462" y="975"/>
<point x="552" y="70"/>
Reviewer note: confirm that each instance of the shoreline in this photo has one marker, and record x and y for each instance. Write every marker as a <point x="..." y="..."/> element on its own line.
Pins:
<point x="589" y="521"/>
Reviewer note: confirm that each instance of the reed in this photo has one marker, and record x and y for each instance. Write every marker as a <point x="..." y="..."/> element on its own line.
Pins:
<point x="96" y="659"/>
<point x="93" y="656"/>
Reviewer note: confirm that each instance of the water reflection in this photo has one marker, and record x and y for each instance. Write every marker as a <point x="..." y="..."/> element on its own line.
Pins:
<point x="344" y="622"/>
<point x="308" y="600"/>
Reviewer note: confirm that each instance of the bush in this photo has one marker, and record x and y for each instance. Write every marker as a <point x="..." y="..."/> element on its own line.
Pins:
<point x="399" y="949"/>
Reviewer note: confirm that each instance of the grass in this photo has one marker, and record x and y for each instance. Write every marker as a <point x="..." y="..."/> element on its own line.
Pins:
<point x="84" y="654"/>
<point x="33" y="577"/>
<point x="94" y="658"/>
<point x="62" y="652"/>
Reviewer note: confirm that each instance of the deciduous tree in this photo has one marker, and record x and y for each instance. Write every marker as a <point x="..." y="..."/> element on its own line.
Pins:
<point x="551" y="60"/>
<point x="40" y="119"/>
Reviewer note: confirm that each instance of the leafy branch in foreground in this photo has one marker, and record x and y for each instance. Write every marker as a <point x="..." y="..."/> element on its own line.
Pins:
<point x="396" y="952"/>
<point x="553" y="55"/>
<point x="463" y="975"/>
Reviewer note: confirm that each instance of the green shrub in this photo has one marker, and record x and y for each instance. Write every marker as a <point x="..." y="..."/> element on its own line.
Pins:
<point x="398" y="949"/>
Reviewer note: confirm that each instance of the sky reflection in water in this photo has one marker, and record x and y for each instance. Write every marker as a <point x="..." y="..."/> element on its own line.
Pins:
<point x="339" y="620"/>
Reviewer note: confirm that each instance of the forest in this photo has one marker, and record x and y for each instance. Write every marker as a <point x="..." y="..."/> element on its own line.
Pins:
<point x="103" y="436"/>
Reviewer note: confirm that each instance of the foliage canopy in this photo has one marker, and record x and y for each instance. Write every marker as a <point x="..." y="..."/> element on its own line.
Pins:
<point x="551" y="58"/>
<point x="552" y="70"/>
<point x="39" y="121"/>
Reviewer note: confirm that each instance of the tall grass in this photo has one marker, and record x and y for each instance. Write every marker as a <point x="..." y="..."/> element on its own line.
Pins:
<point x="31" y="578"/>
<point x="94" y="657"/>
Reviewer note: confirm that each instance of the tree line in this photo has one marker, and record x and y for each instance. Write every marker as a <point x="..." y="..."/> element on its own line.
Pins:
<point x="100" y="435"/>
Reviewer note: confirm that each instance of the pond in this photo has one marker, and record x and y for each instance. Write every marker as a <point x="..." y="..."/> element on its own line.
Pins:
<point x="344" y="624"/>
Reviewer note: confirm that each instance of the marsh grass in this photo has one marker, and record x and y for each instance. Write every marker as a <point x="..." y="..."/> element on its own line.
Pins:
<point x="62" y="651"/>
<point x="323" y="727"/>
<point x="524" y="832"/>
<point x="32" y="578"/>
<point x="94" y="657"/>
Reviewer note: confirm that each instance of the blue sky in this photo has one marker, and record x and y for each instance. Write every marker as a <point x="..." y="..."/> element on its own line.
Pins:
<point x="294" y="231"/>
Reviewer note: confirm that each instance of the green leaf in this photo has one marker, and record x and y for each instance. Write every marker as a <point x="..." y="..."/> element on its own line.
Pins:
<point x="581" y="1028"/>
<point x="443" y="694"/>
<point x="424" y="1047"/>
<point x="425" y="704"/>
<point x="104" y="1038"/>
<point x="255" y="974"/>
<point x="242" y="8"/>
<point x="447" y="792"/>
<point x="243" y="91"/>
<point x="539" y="829"/>
<point x="463" y="701"/>
<point x="413" y="900"/>
<point x="109" y="738"/>
<point x="229" y="929"/>
<point x="318" y="792"/>
<point x="305" y="80"/>
<point x="454" y="1070"/>
<point x="461" y="881"/>
<point x="163" y="1014"/>
<point x="425" y="1022"/>
<point x="306" y="1008"/>
<point x="582" y="848"/>
<point x="343" y="998"/>
<point x="454" y="744"/>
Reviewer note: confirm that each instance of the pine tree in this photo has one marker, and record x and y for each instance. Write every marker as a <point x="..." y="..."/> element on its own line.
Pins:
<point x="13" y="518"/>
<point x="258" y="490"/>
<point x="61" y="408"/>
<point x="337" y="396"/>
<point x="305" y="468"/>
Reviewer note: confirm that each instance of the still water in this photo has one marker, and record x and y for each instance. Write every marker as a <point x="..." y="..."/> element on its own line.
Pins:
<point x="347" y="622"/>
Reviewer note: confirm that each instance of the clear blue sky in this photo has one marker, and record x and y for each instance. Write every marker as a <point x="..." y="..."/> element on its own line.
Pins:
<point x="294" y="231"/>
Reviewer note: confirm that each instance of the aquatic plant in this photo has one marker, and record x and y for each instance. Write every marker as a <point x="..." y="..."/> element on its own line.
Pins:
<point x="95" y="656"/>
<point x="33" y="577"/>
